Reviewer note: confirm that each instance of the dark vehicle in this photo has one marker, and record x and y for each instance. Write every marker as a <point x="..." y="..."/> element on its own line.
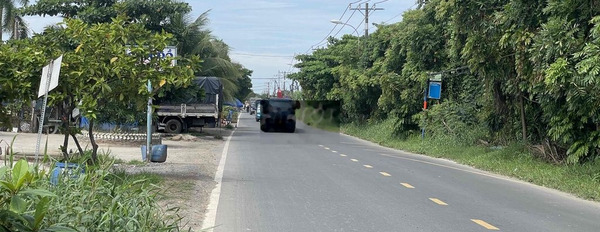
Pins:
<point x="278" y="115"/>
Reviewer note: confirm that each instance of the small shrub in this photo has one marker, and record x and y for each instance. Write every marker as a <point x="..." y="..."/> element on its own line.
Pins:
<point x="99" y="200"/>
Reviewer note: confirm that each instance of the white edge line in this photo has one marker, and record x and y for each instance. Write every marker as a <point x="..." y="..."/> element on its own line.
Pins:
<point x="210" y="218"/>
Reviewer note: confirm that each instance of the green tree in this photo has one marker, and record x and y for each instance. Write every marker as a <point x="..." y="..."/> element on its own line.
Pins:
<point x="524" y="71"/>
<point x="154" y="14"/>
<point x="21" y="63"/>
<point x="99" y="73"/>
<point x="244" y="83"/>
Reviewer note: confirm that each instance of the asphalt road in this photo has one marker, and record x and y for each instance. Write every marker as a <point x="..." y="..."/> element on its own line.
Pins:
<point x="314" y="180"/>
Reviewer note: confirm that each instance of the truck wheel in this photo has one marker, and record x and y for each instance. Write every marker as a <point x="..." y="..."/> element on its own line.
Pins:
<point x="173" y="126"/>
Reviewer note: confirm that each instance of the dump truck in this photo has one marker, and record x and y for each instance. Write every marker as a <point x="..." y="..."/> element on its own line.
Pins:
<point x="179" y="114"/>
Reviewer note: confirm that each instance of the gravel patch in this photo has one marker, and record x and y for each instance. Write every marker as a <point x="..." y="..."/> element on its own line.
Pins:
<point x="189" y="170"/>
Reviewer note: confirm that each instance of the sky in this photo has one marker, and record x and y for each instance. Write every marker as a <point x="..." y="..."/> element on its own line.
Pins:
<point x="265" y="35"/>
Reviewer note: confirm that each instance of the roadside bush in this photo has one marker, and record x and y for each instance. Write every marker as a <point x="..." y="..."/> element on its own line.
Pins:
<point x="98" y="200"/>
<point x="453" y="120"/>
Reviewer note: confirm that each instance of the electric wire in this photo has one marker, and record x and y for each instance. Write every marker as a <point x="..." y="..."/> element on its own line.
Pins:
<point x="400" y="13"/>
<point x="332" y="29"/>
<point x="259" y="55"/>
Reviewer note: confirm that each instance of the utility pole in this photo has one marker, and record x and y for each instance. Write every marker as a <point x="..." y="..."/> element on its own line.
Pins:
<point x="284" y="74"/>
<point x="366" y="14"/>
<point x="268" y="88"/>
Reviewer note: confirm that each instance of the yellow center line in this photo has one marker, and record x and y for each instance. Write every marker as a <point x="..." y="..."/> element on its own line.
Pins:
<point x="438" y="201"/>
<point x="368" y="166"/>
<point x="385" y="174"/>
<point x="407" y="185"/>
<point x="485" y="224"/>
<point x="354" y="160"/>
<point x="342" y="155"/>
<point x="334" y="151"/>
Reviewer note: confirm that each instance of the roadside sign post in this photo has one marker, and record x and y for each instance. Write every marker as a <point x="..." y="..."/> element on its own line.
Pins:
<point x="433" y="90"/>
<point x="149" y="125"/>
<point x="169" y="51"/>
<point x="49" y="81"/>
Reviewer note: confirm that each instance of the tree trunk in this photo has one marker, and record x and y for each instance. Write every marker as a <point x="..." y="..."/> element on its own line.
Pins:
<point x="1" y="22"/>
<point x="72" y="132"/>
<point x="77" y="144"/>
<point x="523" y="122"/>
<point x="65" y="124"/>
<point x="93" y="142"/>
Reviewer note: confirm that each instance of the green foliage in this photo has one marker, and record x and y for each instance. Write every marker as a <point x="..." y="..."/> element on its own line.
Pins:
<point x="453" y="120"/>
<point x="513" y="70"/>
<point x="98" y="200"/>
<point x="21" y="65"/>
<point x="152" y="13"/>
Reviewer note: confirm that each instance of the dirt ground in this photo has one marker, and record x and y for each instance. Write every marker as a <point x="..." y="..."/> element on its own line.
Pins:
<point x="189" y="170"/>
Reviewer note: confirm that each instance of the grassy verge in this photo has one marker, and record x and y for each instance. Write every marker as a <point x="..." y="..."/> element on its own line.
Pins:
<point x="515" y="161"/>
<point x="322" y="120"/>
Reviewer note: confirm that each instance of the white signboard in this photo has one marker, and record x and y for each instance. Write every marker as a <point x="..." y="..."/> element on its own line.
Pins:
<point x="169" y="51"/>
<point x="54" y="69"/>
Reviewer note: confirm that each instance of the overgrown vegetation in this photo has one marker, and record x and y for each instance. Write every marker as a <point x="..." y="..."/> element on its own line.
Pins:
<point x="87" y="198"/>
<point x="513" y="72"/>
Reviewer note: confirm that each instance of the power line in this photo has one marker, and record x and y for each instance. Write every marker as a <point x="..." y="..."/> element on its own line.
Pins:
<point x="323" y="42"/>
<point x="348" y="20"/>
<point x="400" y="13"/>
<point x="366" y="14"/>
<point x="332" y="29"/>
<point x="259" y="55"/>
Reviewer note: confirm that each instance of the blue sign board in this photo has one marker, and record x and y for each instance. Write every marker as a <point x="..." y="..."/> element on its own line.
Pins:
<point x="435" y="90"/>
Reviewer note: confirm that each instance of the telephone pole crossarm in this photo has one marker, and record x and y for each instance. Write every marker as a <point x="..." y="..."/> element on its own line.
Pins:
<point x="366" y="14"/>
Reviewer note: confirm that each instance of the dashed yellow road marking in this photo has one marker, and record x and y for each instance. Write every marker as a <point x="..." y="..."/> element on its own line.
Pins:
<point x="334" y="151"/>
<point x="438" y="201"/>
<point x="450" y="167"/>
<point x="407" y="185"/>
<point x="326" y="148"/>
<point x="354" y="160"/>
<point x="485" y="224"/>
<point x="342" y="155"/>
<point x="385" y="174"/>
<point x="368" y="166"/>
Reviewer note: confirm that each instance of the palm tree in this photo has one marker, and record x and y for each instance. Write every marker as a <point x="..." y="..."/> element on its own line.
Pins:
<point x="11" y="21"/>
<point x="194" y="39"/>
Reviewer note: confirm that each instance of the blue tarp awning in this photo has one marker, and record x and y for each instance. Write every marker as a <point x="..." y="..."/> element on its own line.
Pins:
<point x="237" y="103"/>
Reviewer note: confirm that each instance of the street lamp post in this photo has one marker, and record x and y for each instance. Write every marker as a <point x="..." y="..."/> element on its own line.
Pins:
<point x="335" y="21"/>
